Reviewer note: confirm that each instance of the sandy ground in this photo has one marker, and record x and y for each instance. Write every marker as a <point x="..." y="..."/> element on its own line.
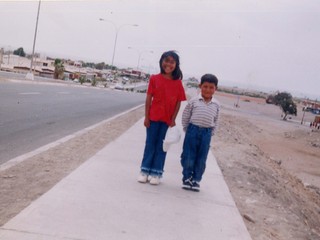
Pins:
<point x="271" y="166"/>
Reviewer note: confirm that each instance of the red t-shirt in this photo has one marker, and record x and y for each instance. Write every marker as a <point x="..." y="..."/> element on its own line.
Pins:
<point x="166" y="93"/>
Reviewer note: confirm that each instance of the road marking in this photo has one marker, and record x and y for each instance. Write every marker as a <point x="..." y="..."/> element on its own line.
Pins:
<point x="29" y="93"/>
<point x="63" y="92"/>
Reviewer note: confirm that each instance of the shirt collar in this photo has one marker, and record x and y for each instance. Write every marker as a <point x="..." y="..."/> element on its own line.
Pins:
<point x="202" y="99"/>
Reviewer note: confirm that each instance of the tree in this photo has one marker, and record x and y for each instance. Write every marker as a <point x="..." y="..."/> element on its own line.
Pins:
<point x="88" y="64"/>
<point x="100" y="66"/>
<point x="20" y="52"/>
<point x="285" y="102"/>
<point x="58" y="69"/>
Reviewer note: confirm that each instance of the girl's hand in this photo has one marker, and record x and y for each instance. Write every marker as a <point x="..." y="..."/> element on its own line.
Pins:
<point x="146" y="122"/>
<point x="173" y="123"/>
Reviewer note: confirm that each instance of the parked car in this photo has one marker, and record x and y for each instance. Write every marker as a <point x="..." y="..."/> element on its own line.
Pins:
<point x="119" y="87"/>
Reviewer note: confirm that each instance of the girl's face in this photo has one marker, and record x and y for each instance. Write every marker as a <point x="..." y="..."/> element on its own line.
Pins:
<point x="168" y="65"/>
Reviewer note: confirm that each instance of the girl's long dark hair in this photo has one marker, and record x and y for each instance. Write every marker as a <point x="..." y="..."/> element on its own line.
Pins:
<point x="177" y="73"/>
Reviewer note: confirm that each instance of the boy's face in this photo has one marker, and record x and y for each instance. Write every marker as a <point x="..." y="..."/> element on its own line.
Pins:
<point x="207" y="90"/>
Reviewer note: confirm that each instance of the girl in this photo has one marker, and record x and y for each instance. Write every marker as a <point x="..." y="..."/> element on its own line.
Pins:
<point x="165" y="92"/>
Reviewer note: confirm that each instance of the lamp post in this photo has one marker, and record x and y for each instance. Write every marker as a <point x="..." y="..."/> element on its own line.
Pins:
<point x="139" y="57"/>
<point x="1" y="56"/>
<point x="30" y="74"/>
<point x="117" y="29"/>
<point x="303" y="109"/>
<point x="140" y="54"/>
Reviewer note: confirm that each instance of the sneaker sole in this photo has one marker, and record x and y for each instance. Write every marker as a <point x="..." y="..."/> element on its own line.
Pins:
<point x="191" y="189"/>
<point x="154" y="183"/>
<point x="141" y="181"/>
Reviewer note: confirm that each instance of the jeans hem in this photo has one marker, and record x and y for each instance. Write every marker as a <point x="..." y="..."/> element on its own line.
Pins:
<point x="151" y="172"/>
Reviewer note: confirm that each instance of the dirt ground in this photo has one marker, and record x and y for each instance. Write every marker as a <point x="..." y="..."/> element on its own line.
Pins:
<point x="271" y="166"/>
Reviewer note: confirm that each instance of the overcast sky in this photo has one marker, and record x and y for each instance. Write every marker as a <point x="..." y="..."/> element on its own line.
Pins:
<point x="272" y="44"/>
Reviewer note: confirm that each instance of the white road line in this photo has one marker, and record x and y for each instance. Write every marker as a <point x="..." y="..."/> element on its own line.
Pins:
<point x="29" y="93"/>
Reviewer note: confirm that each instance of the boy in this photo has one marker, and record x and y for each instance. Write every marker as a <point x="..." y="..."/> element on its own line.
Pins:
<point x="199" y="121"/>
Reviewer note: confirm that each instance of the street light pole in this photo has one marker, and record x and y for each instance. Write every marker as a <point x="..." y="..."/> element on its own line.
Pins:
<point x="1" y="57"/>
<point x="114" y="47"/>
<point x="140" y="57"/>
<point x="303" y="115"/>
<point x="30" y="74"/>
<point x="117" y="29"/>
<point x="140" y="54"/>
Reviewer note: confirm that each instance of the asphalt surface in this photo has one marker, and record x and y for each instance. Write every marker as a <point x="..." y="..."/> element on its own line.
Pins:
<point x="35" y="114"/>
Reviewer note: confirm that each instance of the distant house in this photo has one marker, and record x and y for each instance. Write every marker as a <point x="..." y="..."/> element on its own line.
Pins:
<point x="23" y="69"/>
<point x="44" y="67"/>
<point x="311" y="106"/>
<point x="47" y="72"/>
<point x="130" y="73"/>
<point x="10" y="61"/>
<point x="18" y="64"/>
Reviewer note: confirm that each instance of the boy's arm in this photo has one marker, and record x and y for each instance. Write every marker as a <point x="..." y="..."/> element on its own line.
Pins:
<point x="216" y="120"/>
<point x="186" y="116"/>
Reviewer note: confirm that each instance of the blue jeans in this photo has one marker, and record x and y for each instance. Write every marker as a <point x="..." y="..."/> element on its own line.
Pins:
<point x="154" y="156"/>
<point x="196" y="146"/>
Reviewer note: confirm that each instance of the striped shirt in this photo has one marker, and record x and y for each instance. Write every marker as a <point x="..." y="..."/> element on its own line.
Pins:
<point x="201" y="114"/>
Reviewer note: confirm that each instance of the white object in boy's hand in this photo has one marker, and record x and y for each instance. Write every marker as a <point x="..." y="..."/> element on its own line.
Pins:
<point x="173" y="135"/>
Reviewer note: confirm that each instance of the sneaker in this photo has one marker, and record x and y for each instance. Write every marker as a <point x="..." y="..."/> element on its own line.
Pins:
<point x="142" y="178"/>
<point x="187" y="183"/>
<point x="155" y="180"/>
<point x="195" y="186"/>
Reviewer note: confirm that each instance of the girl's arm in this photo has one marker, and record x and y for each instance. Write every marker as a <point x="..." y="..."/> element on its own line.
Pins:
<point x="175" y="113"/>
<point x="147" y="110"/>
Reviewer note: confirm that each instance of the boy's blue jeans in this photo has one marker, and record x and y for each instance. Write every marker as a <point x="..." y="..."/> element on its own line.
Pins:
<point x="196" y="146"/>
<point x="154" y="156"/>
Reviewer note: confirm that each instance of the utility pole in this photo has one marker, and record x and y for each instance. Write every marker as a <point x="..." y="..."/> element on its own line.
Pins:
<point x="30" y="75"/>
<point x="303" y="115"/>
<point x="1" y="57"/>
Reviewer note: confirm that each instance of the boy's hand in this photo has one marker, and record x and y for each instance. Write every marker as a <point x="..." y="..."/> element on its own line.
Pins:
<point x="146" y="122"/>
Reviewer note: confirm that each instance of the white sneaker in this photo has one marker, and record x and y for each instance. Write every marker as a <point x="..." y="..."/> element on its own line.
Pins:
<point x="155" y="180"/>
<point x="143" y="178"/>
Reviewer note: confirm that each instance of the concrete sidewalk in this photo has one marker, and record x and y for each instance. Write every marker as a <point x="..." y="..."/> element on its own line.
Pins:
<point x="102" y="200"/>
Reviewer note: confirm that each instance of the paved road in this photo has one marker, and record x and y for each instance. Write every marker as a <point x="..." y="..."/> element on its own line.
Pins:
<point x="33" y="115"/>
<point x="12" y="75"/>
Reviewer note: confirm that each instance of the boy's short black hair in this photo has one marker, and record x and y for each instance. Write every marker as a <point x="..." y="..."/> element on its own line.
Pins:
<point x="210" y="78"/>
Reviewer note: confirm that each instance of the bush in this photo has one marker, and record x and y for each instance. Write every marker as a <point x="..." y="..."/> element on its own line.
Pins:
<point x="94" y="82"/>
<point x="82" y="80"/>
<point x="285" y="102"/>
